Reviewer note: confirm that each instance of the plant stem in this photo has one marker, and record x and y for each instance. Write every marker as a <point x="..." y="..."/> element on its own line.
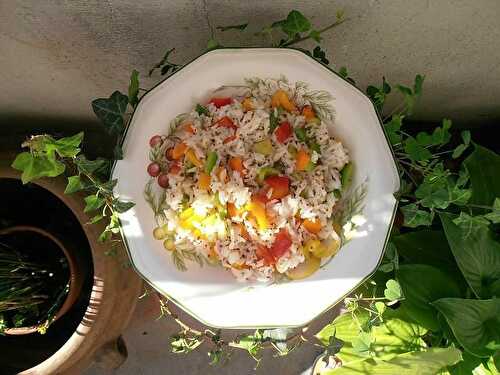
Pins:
<point x="321" y="31"/>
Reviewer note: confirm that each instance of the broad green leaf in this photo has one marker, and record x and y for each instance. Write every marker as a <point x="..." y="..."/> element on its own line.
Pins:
<point x="111" y="111"/>
<point x="315" y="35"/>
<point x="121" y="206"/>
<point x="74" y="184"/>
<point x="108" y="186"/>
<point x="415" y="151"/>
<point x="483" y="166"/>
<point x="93" y="202"/>
<point x="34" y="167"/>
<point x="494" y="215"/>
<point x="361" y="345"/>
<point x="344" y="327"/>
<point x="467" y="223"/>
<point x="393" y="290"/>
<point x="465" y="136"/>
<point x="415" y="217"/>
<point x="475" y="323"/>
<point x="457" y="195"/>
<point x="477" y="254"/>
<point x="392" y="129"/>
<point x="423" y="284"/>
<point x="458" y="151"/>
<point x="431" y="361"/>
<point x="133" y="88"/>
<point x="96" y="219"/>
<point x="471" y="364"/>
<point x="295" y="23"/>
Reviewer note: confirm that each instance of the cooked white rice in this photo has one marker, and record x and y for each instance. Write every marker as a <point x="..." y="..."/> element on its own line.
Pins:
<point x="311" y="193"/>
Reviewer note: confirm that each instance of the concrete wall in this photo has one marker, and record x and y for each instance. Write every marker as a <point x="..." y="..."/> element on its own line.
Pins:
<point x="56" y="56"/>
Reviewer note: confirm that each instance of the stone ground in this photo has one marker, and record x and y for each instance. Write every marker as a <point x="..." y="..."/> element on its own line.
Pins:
<point x="149" y="353"/>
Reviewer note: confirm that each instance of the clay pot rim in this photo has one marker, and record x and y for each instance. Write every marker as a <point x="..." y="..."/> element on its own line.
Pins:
<point x="75" y="277"/>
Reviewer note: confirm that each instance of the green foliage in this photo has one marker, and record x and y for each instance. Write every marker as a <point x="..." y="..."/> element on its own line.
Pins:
<point x="393" y="291"/>
<point x="133" y="88"/>
<point x="483" y="166"/>
<point x="165" y="65"/>
<point x="379" y="94"/>
<point x="475" y="323"/>
<point x="239" y="27"/>
<point x="111" y="112"/>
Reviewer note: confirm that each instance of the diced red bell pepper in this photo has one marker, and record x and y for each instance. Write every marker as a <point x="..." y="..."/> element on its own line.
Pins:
<point x="226" y="122"/>
<point x="283" y="132"/>
<point x="229" y="139"/>
<point x="261" y="196"/>
<point x="220" y="102"/>
<point x="280" y="186"/>
<point x="282" y="243"/>
<point x="264" y="253"/>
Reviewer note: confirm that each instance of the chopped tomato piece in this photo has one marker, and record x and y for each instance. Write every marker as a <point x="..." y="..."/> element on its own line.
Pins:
<point x="174" y="168"/>
<point x="179" y="150"/>
<point x="262" y="252"/>
<point x="308" y="112"/>
<point x="302" y="160"/>
<point x="281" y="244"/>
<point x="261" y="196"/>
<point x="229" y="139"/>
<point x="226" y="122"/>
<point x="313" y="227"/>
<point x="220" y="102"/>
<point x="280" y="186"/>
<point x="283" y="132"/>
<point x="236" y="164"/>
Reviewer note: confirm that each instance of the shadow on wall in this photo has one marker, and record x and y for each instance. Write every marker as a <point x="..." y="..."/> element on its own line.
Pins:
<point x="15" y="129"/>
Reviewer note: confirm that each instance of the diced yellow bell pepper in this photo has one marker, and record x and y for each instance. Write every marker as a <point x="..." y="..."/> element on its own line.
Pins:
<point x="258" y="210"/>
<point x="191" y="156"/>
<point x="304" y="269"/>
<point x="264" y="147"/>
<point x="204" y="181"/>
<point x="280" y="98"/>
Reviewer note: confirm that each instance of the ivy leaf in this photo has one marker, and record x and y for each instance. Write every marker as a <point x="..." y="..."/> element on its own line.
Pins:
<point x="483" y="166"/>
<point x="361" y="345"/>
<point x="420" y="291"/>
<point x="477" y="254"/>
<point x="320" y="55"/>
<point x="379" y="94"/>
<point x="392" y="129"/>
<point x="393" y="290"/>
<point x="121" y="206"/>
<point x="295" y="23"/>
<point x="74" y="184"/>
<point x="251" y="343"/>
<point x="133" y="88"/>
<point x="111" y="111"/>
<point x="92" y="203"/>
<point x="67" y="146"/>
<point x="345" y="74"/>
<point x="390" y="261"/>
<point x="430" y="361"/>
<point x="415" y="151"/>
<point x="118" y="152"/>
<point x="240" y="27"/>
<point x="474" y="323"/>
<point x="90" y="166"/>
<point x="212" y="44"/>
<point x="165" y="65"/>
<point x="415" y="217"/>
<point x="278" y="337"/>
<point x="494" y="216"/>
<point x="315" y="35"/>
<point x="96" y="219"/>
<point x="467" y="222"/>
<point x="34" y="167"/>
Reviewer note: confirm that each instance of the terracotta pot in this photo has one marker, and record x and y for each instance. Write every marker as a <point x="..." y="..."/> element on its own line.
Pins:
<point x="114" y="295"/>
<point x="75" y="275"/>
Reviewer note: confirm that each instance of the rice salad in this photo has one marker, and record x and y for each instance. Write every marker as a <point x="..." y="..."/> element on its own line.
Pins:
<point x="250" y="180"/>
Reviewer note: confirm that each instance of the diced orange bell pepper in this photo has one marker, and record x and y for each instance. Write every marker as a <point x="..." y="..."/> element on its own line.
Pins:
<point x="243" y="231"/>
<point x="189" y="128"/>
<point x="308" y="112"/>
<point x="179" y="150"/>
<point x="302" y="160"/>
<point x="232" y="210"/>
<point x="226" y="122"/>
<point x="191" y="156"/>
<point x="280" y="186"/>
<point x="204" y="181"/>
<point x="280" y="98"/>
<point x="236" y="164"/>
<point x="258" y="211"/>
<point x="313" y="227"/>
<point x="247" y="104"/>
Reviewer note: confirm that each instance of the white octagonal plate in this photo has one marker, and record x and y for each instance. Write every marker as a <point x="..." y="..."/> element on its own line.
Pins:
<point x="210" y="294"/>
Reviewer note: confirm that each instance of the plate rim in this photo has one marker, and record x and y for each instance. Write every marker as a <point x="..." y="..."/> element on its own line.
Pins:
<point x="389" y="228"/>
